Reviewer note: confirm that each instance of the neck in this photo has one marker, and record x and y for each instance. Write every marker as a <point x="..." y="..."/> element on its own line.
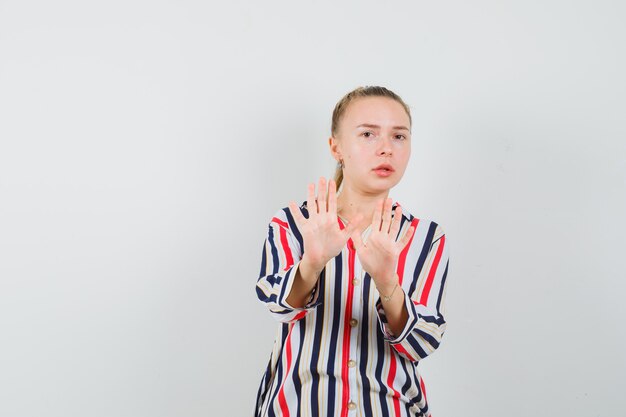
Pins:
<point x="352" y="201"/>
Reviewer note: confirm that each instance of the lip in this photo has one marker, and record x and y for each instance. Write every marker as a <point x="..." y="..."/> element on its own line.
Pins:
<point x="384" y="167"/>
<point x="383" y="170"/>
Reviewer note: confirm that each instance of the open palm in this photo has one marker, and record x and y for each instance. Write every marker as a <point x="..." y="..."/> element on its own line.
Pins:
<point x="380" y="254"/>
<point x="323" y="238"/>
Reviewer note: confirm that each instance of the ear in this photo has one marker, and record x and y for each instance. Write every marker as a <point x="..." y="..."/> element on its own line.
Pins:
<point x="335" y="149"/>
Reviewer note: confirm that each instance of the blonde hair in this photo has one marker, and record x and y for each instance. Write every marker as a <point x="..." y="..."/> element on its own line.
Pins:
<point x="342" y="105"/>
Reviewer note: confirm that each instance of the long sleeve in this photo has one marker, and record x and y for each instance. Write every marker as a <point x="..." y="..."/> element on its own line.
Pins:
<point x="280" y="259"/>
<point x="425" y="305"/>
<point x="337" y="356"/>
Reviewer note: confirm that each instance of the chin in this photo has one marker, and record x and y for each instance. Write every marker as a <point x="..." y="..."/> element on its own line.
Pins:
<point x="384" y="184"/>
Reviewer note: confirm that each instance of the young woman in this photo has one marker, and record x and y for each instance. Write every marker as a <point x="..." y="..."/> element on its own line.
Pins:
<point x="356" y="282"/>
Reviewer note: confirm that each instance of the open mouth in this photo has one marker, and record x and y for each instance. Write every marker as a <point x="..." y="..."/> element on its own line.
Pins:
<point x="384" y="168"/>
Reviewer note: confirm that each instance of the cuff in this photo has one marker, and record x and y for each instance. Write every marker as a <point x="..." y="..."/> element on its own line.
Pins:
<point x="410" y="322"/>
<point x="314" y="297"/>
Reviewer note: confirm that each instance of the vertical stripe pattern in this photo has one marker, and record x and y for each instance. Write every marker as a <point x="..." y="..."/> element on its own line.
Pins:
<point x="336" y="356"/>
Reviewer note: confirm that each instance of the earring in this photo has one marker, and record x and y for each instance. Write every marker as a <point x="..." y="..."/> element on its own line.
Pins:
<point x="340" y="163"/>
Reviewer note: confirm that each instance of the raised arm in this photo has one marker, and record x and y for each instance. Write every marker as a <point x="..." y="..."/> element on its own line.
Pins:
<point x="425" y="306"/>
<point x="299" y="244"/>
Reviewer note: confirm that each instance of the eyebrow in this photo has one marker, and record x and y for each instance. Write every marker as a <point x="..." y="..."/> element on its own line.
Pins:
<point x="378" y="127"/>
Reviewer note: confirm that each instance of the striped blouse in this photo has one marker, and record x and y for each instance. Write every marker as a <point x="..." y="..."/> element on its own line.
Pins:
<point x="336" y="356"/>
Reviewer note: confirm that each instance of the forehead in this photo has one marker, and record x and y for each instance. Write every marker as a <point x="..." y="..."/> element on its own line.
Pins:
<point x="382" y="111"/>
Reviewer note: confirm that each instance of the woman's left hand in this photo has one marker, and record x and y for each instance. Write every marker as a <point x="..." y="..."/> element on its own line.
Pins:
<point x="380" y="254"/>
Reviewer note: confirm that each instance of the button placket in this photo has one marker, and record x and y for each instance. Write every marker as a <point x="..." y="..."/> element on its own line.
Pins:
<point x="357" y="306"/>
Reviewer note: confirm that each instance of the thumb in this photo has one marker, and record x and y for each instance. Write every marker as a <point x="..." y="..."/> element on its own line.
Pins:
<point x="407" y="236"/>
<point x="353" y="225"/>
<point x="356" y="239"/>
<point x="352" y="231"/>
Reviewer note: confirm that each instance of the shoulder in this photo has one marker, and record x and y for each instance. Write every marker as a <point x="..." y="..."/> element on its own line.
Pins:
<point x="420" y="221"/>
<point x="429" y="229"/>
<point x="283" y="217"/>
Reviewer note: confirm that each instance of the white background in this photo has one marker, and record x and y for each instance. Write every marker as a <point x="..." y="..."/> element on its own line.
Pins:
<point x="146" y="144"/>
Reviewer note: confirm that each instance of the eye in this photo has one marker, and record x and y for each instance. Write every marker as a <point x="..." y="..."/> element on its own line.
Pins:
<point x="367" y="134"/>
<point x="402" y="137"/>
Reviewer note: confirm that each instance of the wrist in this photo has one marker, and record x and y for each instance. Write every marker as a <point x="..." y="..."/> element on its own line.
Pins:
<point x="387" y="295"/>
<point x="309" y="269"/>
<point x="386" y="286"/>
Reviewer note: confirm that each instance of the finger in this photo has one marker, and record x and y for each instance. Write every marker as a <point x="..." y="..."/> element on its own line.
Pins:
<point x="353" y="225"/>
<point x="321" y="196"/>
<point x="376" y="217"/>
<point x="356" y="239"/>
<point x="395" y="224"/>
<point x="386" y="216"/>
<point x="407" y="236"/>
<point x="296" y="213"/>
<point x="310" y="201"/>
<point x="332" y="198"/>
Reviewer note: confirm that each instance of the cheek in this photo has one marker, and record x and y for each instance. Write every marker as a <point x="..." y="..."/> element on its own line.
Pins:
<point x="406" y="153"/>
<point x="359" y="155"/>
<point x="404" y="158"/>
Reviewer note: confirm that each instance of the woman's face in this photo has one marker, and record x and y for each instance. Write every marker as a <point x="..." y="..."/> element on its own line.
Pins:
<point x="373" y="131"/>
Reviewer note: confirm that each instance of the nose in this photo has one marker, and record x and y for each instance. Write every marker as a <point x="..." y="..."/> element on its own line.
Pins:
<point x="385" y="146"/>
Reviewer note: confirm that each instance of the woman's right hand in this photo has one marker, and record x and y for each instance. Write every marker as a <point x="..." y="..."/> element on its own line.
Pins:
<point x="322" y="237"/>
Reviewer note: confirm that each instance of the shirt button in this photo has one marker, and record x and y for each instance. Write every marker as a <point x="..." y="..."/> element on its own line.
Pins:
<point x="351" y="405"/>
<point x="354" y="322"/>
<point x="355" y="281"/>
<point x="351" y="363"/>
